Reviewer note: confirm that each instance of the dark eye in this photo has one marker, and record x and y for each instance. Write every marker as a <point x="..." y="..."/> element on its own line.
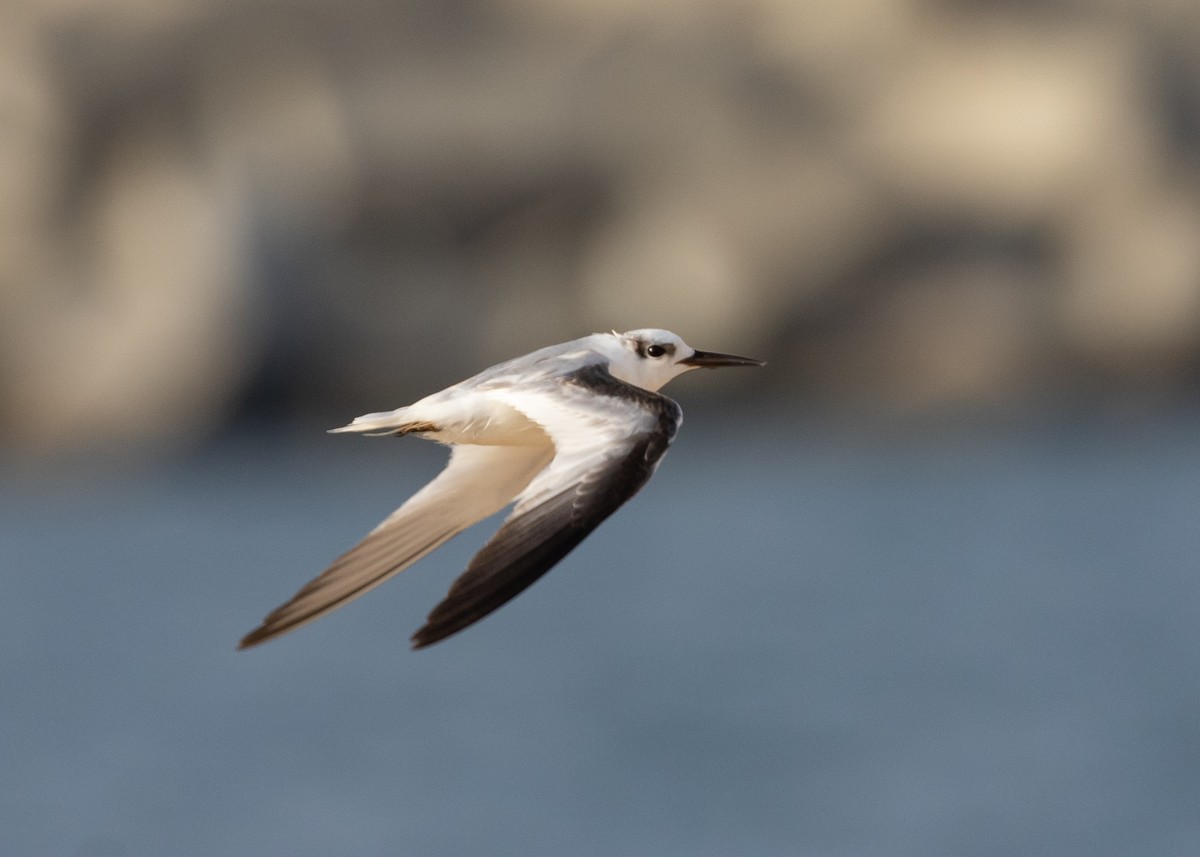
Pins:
<point x="655" y="351"/>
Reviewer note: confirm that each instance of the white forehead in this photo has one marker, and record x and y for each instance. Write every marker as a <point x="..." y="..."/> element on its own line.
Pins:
<point x="654" y="335"/>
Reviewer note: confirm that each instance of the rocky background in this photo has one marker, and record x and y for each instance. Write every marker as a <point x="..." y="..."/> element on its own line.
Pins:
<point x="212" y="211"/>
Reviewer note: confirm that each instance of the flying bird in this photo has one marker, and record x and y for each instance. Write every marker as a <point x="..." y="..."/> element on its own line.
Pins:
<point x="569" y="432"/>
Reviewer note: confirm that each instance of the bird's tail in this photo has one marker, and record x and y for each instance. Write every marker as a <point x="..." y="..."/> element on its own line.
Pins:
<point x="396" y="422"/>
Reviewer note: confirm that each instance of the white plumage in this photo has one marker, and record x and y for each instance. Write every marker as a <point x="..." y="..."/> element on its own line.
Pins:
<point x="569" y="432"/>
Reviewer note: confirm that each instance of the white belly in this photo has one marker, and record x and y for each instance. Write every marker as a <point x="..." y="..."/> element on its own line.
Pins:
<point x="477" y="419"/>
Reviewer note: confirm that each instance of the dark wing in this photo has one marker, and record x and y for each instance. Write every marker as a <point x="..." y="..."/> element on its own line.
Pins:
<point x="609" y="438"/>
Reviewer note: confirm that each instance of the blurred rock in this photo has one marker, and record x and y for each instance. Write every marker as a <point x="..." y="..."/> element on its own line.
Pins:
<point x="339" y="206"/>
<point x="146" y="335"/>
<point x="934" y="333"/>
<point x="1000" y="118"/>
<point x="749" y="227"/>
<point x="1132" y="296"/>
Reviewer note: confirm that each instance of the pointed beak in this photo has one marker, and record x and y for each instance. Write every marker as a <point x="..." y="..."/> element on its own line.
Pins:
<point x="713" y="359"/>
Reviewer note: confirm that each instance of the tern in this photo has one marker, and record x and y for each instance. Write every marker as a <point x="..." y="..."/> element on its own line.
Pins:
<point x="569" y="432"/>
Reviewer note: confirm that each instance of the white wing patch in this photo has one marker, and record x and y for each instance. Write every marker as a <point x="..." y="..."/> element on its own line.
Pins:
<point x="607" y="447"/>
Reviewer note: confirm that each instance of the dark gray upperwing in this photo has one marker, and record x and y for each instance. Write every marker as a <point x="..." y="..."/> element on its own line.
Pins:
<point x="531" y="543"/>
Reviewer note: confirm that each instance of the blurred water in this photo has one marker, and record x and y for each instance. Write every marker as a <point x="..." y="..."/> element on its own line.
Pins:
<point x="803" y="642"/>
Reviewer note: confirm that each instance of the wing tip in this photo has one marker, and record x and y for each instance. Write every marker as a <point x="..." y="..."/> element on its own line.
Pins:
<point x="273" y="626"/>
<point x="426" y="636"/>
<point x="256" y="637"/>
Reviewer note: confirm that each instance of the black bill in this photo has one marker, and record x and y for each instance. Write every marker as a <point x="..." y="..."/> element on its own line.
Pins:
<point x="713" y="359"/>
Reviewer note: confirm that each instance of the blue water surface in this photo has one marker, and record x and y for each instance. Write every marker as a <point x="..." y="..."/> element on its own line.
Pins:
<point x="796" y="641"/>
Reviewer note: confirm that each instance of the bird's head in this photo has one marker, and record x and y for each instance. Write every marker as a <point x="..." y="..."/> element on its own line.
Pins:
<point x="649" y="358"/>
